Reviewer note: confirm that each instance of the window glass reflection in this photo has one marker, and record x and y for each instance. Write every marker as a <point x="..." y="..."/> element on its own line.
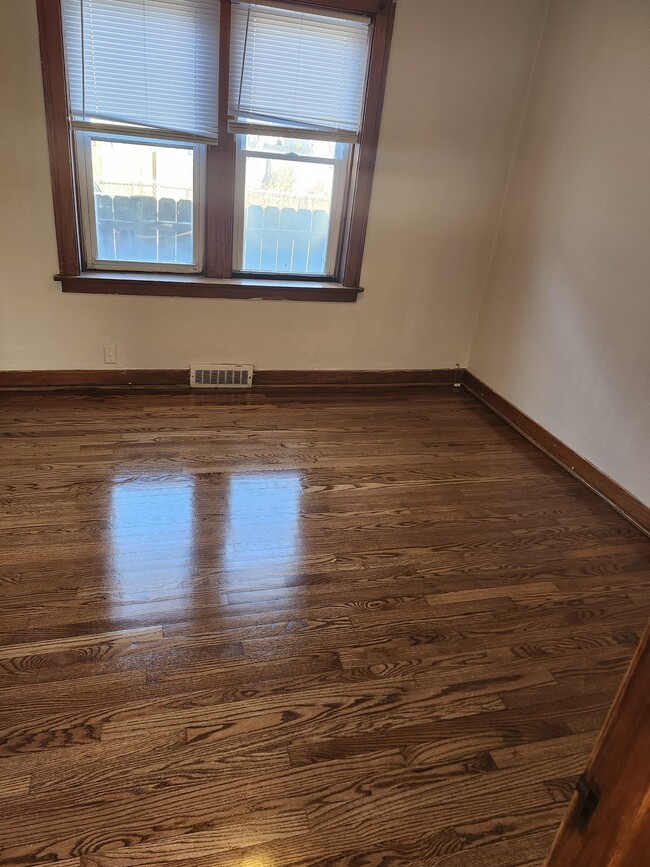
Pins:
<point x="262" y="533"/>
<point x="151" y="541"/>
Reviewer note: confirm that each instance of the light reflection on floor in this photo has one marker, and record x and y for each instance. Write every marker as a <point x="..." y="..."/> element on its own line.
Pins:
<point x="151" y="542"/>
<point x="254" y="861"/>
<point x="155" y="528"/>
<point x="262" y="536"/>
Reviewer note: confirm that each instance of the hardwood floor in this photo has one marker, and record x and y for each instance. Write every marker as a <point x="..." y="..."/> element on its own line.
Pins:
<point x="298" y="630"/>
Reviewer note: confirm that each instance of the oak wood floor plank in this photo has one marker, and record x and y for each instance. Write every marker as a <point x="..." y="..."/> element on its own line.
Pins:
<point x="129" y="637"/>
<point x="157" y="763"/>
<point x="519" y="724"/>
<point x="444" y="849"/>
<point x="202" y="848"/>
<point x="152" y="799"/>
<point x="402" y="800"/>
<point x="48" y="721"/>
<point x="121" y="826"/>
<point x="11" y="787"/>
<point x="296" y="627"/>
<point x="327" y="707"/>
<point x="538" y="644"/>
<point x="522" y="754"/>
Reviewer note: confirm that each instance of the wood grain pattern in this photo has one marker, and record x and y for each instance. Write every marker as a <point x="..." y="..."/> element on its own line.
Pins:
<point x="298" y="627"/>
<point x="603" y="485"/>
<point x="619" y="831"/>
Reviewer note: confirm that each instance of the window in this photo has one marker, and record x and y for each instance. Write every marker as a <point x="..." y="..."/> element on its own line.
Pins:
<point x="290" y="198"/>
<point x="141" y="203"/>
<point x="210" y="148"/>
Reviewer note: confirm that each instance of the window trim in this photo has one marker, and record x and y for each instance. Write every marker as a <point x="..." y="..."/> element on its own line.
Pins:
<point x="341" y="172"/>
<point x="85" y="179"/>
<point x="219" y="279"/>
<point x="193" y="286"/>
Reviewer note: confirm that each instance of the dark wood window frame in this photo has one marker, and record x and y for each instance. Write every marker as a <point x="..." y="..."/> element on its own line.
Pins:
<point x="217" y="281"/>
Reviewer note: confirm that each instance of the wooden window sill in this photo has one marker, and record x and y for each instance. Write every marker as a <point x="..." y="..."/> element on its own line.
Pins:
<point x="197" y="286"/>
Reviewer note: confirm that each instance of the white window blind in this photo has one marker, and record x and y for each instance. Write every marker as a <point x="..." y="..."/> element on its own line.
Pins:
<point x="153" y="63"/>
<point x="297" y="71"/>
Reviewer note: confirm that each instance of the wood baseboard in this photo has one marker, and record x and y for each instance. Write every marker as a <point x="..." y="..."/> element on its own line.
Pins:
<point x="606" y="488"/>
<point x="354" y="378"/>
<point x="80" y="378"/>
<point x="624" y="502"/>
<point x="262" y="379"/>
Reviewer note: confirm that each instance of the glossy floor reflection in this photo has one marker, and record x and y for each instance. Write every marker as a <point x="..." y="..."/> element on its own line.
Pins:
<point x="151" y="535"/>
<point x="157" y="540"/>
<point x="297" y="630"/>
<point x="263" y="526"/>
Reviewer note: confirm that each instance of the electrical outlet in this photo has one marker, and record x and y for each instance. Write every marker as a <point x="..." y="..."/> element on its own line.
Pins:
<point x="110" y="355"/>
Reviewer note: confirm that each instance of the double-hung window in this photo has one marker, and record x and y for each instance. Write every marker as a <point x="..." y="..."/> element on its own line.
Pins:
<point x="213" y="146"/>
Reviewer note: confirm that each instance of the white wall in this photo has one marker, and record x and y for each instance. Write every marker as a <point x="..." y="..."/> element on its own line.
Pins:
<point x="458" y="76"/>
<point x="564" y="329"/>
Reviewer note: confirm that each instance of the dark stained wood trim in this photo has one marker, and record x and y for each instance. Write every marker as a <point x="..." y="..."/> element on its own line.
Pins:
<point x="197" y="286"/>
<point x="619" y="766"/>
<point x="220" y="210"/>
<point x="355" y="378"/>
<point x="623" y="501"/>
<point x="262" y="378"/>
<point x="58" y="134"/>
<point x="70" y="378"/>
<point x="219" y="223"/>
<point x="362" y="184"/>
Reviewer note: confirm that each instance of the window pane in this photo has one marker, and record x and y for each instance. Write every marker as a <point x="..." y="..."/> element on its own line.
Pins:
<point x="144" y="196"/>
<point x="328" y="150"/>
<point x="287" y="216"/>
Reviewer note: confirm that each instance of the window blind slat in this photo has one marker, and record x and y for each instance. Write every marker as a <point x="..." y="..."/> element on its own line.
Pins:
<point x="296" y="67"/>
<point x="153" y="63"/>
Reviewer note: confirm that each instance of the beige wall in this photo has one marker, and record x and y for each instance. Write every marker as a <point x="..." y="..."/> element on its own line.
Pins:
<point x="457" y="81"/>
<point x="564" y="329"/>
